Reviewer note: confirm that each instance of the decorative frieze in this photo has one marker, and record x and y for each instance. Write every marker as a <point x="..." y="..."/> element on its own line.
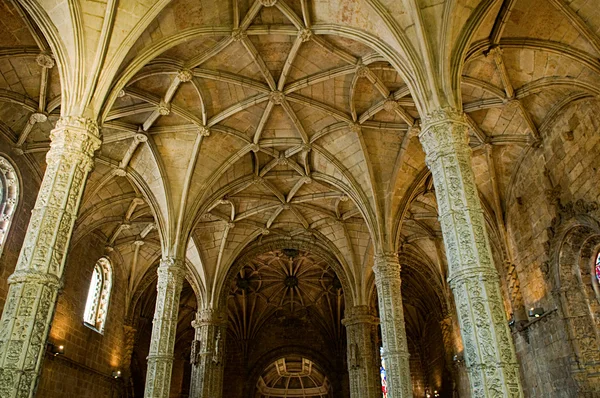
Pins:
<point x="362" y="352"/>
<point x="171" y="273"/>
<point x="208" y="353"/>
<point x="34" y="285"/>
<point x="393" y="332"/>
<point x="488" y="347"/>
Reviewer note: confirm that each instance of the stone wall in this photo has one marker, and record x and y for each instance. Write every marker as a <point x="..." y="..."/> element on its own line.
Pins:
<point x="89" y="357"/>
<point x="566" y="168"/>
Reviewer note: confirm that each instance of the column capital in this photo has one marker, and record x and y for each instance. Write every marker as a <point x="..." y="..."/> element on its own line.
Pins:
<point x="442" y="116"/>
<point x="74" y="139"/>
<point x="359" y="314"/>
<point x="387" y="264"/>
<point x="210" y="317"/>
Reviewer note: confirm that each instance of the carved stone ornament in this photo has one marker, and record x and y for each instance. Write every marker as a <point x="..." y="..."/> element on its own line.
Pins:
<point x="37" y="117"/>
<point x="171" y="273"/>
<point x="305" y="35"/>
<point x="488" y="346"/>
<point x="207" y="371"/>
<point x="390" y="105"/>
<point x="395" y="346"/>
<point x="35" y="284"/>
<point x="204" y="131"/>
<point x="362" y="70"/>
<point x="268" y="3"/>
<point x="164" y="108"/>
<point x="45" y="61"/>
<point x="277" y="97"/>
<point x="185" y="75"/>
<point x="355" y="127"/>
<point x="238" y="34"/>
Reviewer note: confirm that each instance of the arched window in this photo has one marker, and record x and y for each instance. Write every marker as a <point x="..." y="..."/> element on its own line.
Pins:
<point x="597" y="267"/>
<point x="9" y="196"/>
<point x="96" y="306"/>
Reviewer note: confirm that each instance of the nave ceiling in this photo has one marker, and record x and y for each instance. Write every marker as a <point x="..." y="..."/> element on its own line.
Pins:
<point x="234" y="123"/>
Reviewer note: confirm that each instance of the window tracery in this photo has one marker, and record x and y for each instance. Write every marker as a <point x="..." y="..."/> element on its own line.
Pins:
<point x="9" y="197"/>
<point x="96" y="305"/>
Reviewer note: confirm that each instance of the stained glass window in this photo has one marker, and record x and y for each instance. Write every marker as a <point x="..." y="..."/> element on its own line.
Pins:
<point x="383" y="374"/>
<point x="598" y="267"/>
<point x="98" y="297"/>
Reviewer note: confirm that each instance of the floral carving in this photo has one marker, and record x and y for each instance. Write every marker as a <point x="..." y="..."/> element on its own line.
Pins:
<point x="489" y="352"/>
<point x="207" y="369"/>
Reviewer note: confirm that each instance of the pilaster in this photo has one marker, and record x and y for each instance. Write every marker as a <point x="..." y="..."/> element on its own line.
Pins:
<point x="208" y="354"/>
<point x="393" y="332"/>
<point x="171" y="273"/>
<point x="363" y="355"/>
<point x="34" y="285"/>
<point x="488" y="347"/>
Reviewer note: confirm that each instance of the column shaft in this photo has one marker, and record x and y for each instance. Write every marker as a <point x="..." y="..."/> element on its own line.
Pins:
<point x="363" y="354"/>
<point x="34" y="285"/>
<point x="489" y="351"/>
<point x="208" y="354"/>
<point x="393" y="333"/>
<point x="171" y="273"/>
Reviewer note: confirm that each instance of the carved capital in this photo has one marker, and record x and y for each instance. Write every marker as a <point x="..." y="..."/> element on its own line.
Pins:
<point x="210" y="317"/>
<point x="74" y="139"/>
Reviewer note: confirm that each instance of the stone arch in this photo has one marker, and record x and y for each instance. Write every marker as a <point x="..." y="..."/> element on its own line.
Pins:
<point x="574" y="239"/>
<point x="279" y="243"/>
<point x="272" y="356"/>
<point x="10" y="191"/>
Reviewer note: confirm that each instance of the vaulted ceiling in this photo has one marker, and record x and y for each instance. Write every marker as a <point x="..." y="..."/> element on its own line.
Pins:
<point x="235" y="123"/>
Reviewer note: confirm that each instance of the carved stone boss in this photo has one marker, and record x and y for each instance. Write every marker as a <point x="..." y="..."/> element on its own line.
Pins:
<point x="489" y="351"/>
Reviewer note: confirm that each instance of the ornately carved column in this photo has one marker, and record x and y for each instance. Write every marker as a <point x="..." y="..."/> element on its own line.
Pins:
<point x="489" y="352"/>
<point x="363" y="355"/>
<point x="34" y="285"/>
<point x="208" y="354"/>
<point x="393" y="333"/>
<point x="171" y="273"/>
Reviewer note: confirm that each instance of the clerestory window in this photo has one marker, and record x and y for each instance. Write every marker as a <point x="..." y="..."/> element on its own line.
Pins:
<point x="96" y="306"/>
<point x="9" y="197"/>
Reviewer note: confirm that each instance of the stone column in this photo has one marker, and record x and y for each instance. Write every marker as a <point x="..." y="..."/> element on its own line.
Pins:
<point x="363" y="354"/>
<point x="171" y="273"/>
<point x="35" y="283"/>
<point x="393" y="333"/>
<point x="208" y="354"/>
<point x="489" y="351"/>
